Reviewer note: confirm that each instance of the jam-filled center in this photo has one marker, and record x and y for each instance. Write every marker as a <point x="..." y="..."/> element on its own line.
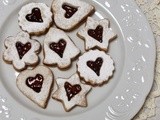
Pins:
<point x="23" y="48"/>
<point x="35" y="83"/>
<point x="35" y="16"/>
<point x="96" y="33"/>
<point x="58" y="47"/>
<point x="70" y="10"/>
<point x="95" y="65"/>
<point x="72" y="90"/>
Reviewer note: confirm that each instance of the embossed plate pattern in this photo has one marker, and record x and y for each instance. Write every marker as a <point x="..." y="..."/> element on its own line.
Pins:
<point x="133" y="52"/>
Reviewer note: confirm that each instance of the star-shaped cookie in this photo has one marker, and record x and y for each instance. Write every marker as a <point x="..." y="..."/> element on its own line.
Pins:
<point x="21" y="51"/>
<point x="96" y="34"/>
<point x="71" y="92"/>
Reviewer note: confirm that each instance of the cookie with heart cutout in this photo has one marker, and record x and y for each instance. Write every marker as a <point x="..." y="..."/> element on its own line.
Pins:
<point x="95" y="67"/>
<point x="59" y="49"/>
<point x="97" y="34"/>
<point x="69" y="13"/>
<point x="21" y="51"/>
<point x="36" y="84"/>
<point x="35" y="18"/>
<point x="71" y="92"/>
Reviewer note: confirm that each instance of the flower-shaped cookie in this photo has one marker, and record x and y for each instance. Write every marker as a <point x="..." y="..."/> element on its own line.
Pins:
<point x="21" y="51"/>
<point x="59" y="49"/>
<point x="96" y="34"/>
<point x="69" y="13"/>
<point x="95" y="67"/>
<point x="35" y="18"/>
<point x="71" y="92"/>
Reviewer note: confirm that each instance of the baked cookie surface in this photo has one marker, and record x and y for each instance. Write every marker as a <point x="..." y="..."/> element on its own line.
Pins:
<point x="36" y="84"/>
<point x="71" y="92"/>
<point x="95" y="67"/>
<point x="35" y="18"/>
<point x="59" y="49"/>
<point x="21" y="51"/>
<point x="96" y="34"/>
<point x="69" y="13"/>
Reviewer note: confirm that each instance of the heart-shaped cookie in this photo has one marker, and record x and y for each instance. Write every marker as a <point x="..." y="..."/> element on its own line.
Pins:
<point x="69" y="13"/>
<point x="59" y="49"/>
<point x="35" y="15"/>
<point x="95" y="67"/>
<point x="36" y="84"/>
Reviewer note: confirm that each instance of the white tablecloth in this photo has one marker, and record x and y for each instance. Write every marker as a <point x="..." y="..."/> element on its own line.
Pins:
<point x="151" y="108"/>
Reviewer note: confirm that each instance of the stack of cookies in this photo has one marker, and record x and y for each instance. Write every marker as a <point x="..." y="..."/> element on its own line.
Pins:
<point x="94" y="66"/>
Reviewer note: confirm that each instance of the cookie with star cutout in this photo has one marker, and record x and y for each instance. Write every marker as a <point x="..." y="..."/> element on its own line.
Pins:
<point x="21" y="51"/>
<point x="71" y="92"/>
<point x="59" y="49"/>
<point x="35" y="18"/>
<point x="36" y="84"/>
<point x="95" y="67"/>
<point x="69" y="13"/>
<point x="97" y="34"/>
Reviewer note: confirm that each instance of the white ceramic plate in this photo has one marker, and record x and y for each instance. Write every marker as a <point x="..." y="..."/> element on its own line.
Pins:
<point x="133" y="52"/>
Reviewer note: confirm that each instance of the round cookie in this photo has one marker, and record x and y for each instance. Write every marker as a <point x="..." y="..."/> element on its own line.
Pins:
<point x="95" y="67"/>
<point x="35" y="18"/>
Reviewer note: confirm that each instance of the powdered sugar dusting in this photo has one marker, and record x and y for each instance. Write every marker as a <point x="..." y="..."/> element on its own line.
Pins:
<point x="51" y="57"/>
<point x="83" y="10"/>
<point x="79" y="99"/>
<point x="88" y="74"/>
<point x="35" y="27"/>
<point x="107" y="35"/>
<point x="11" y="54"/>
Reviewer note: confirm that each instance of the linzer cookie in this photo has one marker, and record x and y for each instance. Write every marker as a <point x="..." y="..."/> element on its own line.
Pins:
<point x="71" y="92"/>
<point x="21" y="51"/>
<point x="95" y="67"/>
<point x="59" y="49"/>
<point x="36" y="84"/>
<point x="69" y="13"/>
<point x="35" y="18"/>
<point x="96" y="34"/>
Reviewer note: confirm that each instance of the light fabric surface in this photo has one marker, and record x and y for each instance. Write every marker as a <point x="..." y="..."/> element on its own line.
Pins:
<point x="151" y="108"/>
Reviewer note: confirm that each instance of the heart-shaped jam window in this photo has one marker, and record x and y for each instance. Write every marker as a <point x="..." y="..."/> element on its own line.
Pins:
<point x="71" y="90"/>
<point x="58" y="47"/>
<point x="96" y="33"/>
<point x="70" y="10"/>
<point x="35" y="16"/>
<point x="95" y="65"/>
<point x="23" y="48"/>
<point x="35" y="83"/>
